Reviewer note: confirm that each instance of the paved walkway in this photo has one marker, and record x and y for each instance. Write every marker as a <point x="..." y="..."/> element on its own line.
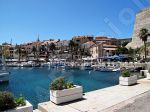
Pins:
<point x="104" y="100"/>
<point x="141" y="103"/>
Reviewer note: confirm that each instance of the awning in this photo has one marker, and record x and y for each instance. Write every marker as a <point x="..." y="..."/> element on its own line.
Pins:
<point x="88" y="59"/>
<point x="110" y="49"/>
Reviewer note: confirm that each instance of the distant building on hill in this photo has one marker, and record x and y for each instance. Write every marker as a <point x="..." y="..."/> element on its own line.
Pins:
<point x="87" y="45"/>
<point x="101" y="50"/>
<point x="107" y="40"/>
<point x="82" y="39"/>
<point x="124" y="40"/>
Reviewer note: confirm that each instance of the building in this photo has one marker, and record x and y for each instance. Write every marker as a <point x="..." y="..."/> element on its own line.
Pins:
<point x="7" y="50"/>
<point x="142" y="21"/>
<point x="87" y="45"/>
<point x="82" y="39"/>
<point x="0" y="50"/>
<point x="62" y="49"/>
<point x="124" y="40"/>
<point x="27" y="47"/>
<point x="107" y="40"/>
<point x="46" y="43"/>
<point x="109" y="50"/>
<point x="96" y="50"/>
<point x="102" y="50"/>
<point x="63" y="45"/>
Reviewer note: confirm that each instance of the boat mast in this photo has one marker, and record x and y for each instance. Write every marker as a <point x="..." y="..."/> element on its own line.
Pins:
<point x="4" y="63"/>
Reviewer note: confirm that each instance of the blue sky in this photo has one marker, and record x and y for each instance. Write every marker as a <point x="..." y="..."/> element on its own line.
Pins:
<point x="23" y="20"/>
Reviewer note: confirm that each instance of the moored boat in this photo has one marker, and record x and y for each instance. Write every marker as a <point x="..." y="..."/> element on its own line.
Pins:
<point x="4" y="76"/>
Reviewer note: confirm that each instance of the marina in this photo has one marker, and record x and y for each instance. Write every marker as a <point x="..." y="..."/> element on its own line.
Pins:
<point x="74" y="56"/>
<point x="33" y="83"/>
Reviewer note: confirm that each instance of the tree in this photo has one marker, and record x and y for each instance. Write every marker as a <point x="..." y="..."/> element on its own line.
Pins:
<point x="34" y="50"/>
<point x="52" y="47"/>
<point x="26" y="54"/>
<point x="124" y="44"/>
<point x="42" y="49"/>
<point x="144" y="33"/>
<point x="5" y="52"/>
<point x="18" y="51"/>
<point x="131" y="53"/>
<point x="71" y="47"/>
<point x="121" y="50"/>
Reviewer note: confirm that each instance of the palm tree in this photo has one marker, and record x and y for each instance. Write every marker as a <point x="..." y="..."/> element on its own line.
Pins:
<point x="18" y="51"/>
<point x="52" y="47"/>
<point x="72" y="47"/>
<point x="47" y="52"/>
<point x="26" y="54"/>
<point x="131" y="53"/>
<point x="34" y="50"/>
<point x="144" y="33"/>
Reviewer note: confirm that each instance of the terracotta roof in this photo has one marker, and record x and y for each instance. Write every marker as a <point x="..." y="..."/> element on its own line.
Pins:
<point x="63" y="41"/>
<point x="106" y="45"/>
<point x="110" y="49"/>
<point x="89" y="43"/>
<point x="93" y="45"/>
<point x="49" y="42"/>
<point x="102" y="38"/>
<point x="75" y="37"/>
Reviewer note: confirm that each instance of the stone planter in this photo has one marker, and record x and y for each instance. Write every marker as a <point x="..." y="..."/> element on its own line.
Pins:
<point x="27" y="108"/>
<point x="127" y="81"/>
<point x="143" y="72"/>
<point x="148" y="76"/>
<point x="66" y="95"/>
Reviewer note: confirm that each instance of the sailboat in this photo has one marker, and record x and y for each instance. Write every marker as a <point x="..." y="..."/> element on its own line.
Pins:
<point x="4" y="74"/>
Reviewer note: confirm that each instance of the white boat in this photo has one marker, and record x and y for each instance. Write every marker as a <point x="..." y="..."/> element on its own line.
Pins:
<point x="4" y="76"/>
<point x="12" y="65"/>
<point x="45" y="64"/>
<point x="87" y="64"/>
<point x="108" y="68"/>
<point x="26" y="64"/>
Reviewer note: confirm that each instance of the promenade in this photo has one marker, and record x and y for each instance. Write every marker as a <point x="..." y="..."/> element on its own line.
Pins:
<point x="112" y="99"/>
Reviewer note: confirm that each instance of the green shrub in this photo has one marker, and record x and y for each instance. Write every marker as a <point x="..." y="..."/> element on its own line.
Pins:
<point x="69" y="85"/>
<point x="125" y="73"/>
<point x="60" y="84"/>
<point x="6" y="101"/>
<point x="20" y="101"/>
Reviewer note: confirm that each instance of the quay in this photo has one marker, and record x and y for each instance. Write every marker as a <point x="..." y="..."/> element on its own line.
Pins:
<point x="112" y="99"/>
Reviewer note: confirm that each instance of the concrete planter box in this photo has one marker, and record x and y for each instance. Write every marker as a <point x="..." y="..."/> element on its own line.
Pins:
<point x="144" y="71"/>
<point x="27" y="108"/>
<point x="66" y="95"/>
<point x="127" y="81"/>
<point x="148" y="76"/>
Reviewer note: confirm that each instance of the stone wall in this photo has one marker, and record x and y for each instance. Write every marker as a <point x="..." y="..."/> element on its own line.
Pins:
<point x="142" y="21"/>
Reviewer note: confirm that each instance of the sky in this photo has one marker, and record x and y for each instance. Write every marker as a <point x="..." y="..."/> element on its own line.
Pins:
<point x="23" y="20"/>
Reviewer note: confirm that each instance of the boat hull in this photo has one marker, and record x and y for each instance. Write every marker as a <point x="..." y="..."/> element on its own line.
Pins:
<point x="4" y="77"/>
